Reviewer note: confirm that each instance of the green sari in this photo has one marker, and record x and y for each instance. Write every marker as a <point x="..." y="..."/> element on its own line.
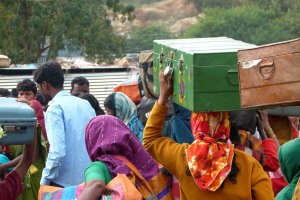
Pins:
<point x="31" y="181"/>
<point x="289" y="160"/>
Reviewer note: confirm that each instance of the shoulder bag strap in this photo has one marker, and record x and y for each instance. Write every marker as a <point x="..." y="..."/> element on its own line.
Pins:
<point x="134" y="170"/>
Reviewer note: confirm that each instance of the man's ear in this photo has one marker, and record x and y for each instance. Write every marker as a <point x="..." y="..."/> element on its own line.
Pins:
<point x="47" y="85"/>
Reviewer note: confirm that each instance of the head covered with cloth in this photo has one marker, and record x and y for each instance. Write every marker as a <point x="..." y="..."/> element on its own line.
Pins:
<point x="122" y="107"/>
<point x="107" y="138"/>
<point x="289" y="160"/>
<point x="210" y="156"/>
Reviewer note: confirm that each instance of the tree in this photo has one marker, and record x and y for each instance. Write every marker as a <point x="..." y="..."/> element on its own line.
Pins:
<point x="279" y="6"/>
<point x="31" y="27"/>
<point x="202" y="4"/>
<point x="141" y="38"/>
<point x="248" y="23"/>
<point x="287" y="14"/>
<point x="138" y="3"/>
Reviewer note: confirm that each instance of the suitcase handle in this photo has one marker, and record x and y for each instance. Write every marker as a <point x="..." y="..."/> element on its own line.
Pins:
<point x="266" y="69"/>
<point x="231" y="78"/>
<point x="180" y="64"/>
<point x="161" y="57"/>
<point x="180" y="67"/>
<point x="15" y="128"/>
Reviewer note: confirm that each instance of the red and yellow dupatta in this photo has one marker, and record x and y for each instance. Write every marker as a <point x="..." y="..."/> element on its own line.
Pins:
<point x="210" y="157"/>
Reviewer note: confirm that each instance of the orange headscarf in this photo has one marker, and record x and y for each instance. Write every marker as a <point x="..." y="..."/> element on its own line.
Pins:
<point x="210" y="157"/>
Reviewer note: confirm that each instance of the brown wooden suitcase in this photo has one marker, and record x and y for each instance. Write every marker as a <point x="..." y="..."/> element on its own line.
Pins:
<point x="269" y="75"/>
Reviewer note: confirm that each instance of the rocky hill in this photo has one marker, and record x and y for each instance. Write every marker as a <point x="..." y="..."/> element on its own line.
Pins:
<point x="175" y="14"/>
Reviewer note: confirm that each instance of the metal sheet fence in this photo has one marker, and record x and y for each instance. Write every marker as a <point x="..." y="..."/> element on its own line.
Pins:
<point x="101" y="83"/>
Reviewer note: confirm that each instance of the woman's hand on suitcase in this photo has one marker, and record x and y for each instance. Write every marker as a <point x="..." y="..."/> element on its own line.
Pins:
<point x="25" y="101"/>
<point x="166" y="88"/>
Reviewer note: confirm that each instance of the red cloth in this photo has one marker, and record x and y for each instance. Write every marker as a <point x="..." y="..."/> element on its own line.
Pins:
<point x="295" y="132"/>
<point x="278" y="181"/>
<point x="210" y="157"/>
<point x="11" y="187"/>
<point x="272" y="164"/>
<point x="39" y="113"/>
<point x="269" y="159"/>
<point x="175" y="188"/>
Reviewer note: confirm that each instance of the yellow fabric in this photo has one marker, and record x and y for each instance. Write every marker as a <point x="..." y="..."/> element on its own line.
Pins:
<point x="296" y="195"/>
<point x="151" y="189"/>
<point x="282" y="128"/>
<point x="252" y="181"/>
<point x="249" y="140"/>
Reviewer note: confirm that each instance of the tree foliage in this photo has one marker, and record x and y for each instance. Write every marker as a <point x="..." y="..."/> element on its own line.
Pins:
<point x="139" y="3"/>
<point x="279" y="6"/>
<point x="31" y="27"/>
<point x="251" y="24"/>
<point x="141" y="38"/>
<point x="202" y="4"/>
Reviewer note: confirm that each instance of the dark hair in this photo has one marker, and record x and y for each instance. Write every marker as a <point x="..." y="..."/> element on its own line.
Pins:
<point x="244" y="120"/>
<point x="4" y="92"/>
<point x="80" y="80"/>
<point x="94" y="103"/>
<point x="234" y="170"/>
<point x="27" y="85"/>
<point x="109" y="102"/>
<point x="39" y="97"/>
<point x="14" y="92"/>
<point x="50" y="72"/>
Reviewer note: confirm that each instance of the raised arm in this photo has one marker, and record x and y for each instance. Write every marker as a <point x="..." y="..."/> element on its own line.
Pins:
<point x="166" y="88"/>
<point x="11" y="187"/>
<point x="263" y="117"/>
<point x="27" y="158"/>
<point x="269" y="143"/>
<point x="162" y="149"/>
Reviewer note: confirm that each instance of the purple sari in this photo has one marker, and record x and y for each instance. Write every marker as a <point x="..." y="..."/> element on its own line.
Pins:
<point x="106" y="136"/>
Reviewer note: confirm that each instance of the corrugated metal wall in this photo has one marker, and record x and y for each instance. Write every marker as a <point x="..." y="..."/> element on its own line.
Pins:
<point x="102" y="81"/>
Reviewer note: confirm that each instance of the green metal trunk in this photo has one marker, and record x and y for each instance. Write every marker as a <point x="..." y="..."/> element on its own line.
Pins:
<point x="204" y="70"/>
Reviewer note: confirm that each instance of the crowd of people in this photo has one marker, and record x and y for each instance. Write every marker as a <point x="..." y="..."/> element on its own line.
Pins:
<point x="218" y="155"/>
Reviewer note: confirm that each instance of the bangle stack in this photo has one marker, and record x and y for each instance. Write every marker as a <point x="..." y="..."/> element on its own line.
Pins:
<point x="270" y="133"/>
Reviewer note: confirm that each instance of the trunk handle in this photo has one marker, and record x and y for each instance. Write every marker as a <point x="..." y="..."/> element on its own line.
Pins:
<point x="264" y="66"/>
<point x="161" y="57"/>
<point x="230" y="78"/>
